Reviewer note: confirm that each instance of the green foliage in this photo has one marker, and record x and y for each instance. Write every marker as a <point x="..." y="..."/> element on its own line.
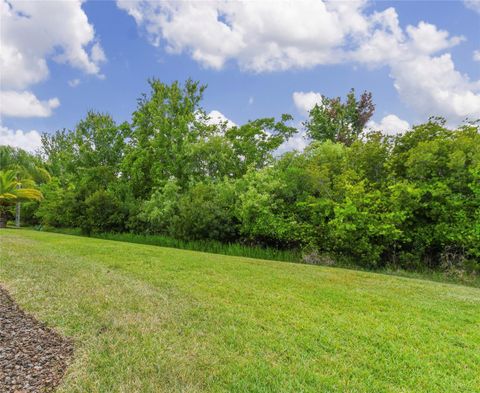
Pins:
<point x="161" y="210"/>
<point x="172" y="138"/>
<point x="263" y="210"/>
<point x="164" y="127"/>
<point x="409" y="201"/>
<point x="363" y="228"/>
<point x="30" y="172"/>
<point x="333" y="120"/>
<point x="103" y="212"/>
<point x="14" y="190"/>
<point x="254" y="142"/>
<point x="90" y="155"/>
<point x="369" y="207"/>
<point x="60" y="208"/>
<point x="206" y="211"/>
<point x="26" y="166"/>
<point x="369" y="158"/>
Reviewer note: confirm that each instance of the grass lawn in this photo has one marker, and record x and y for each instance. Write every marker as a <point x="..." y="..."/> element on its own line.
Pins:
<point x="152" y="319"/>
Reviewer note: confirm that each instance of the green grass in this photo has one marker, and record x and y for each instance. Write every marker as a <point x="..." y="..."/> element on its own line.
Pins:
<point x="152" y="319"/>
<point x="241" y="250"/>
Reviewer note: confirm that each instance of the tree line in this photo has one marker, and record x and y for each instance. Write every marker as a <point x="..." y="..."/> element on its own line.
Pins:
<point x="353" y="197"/>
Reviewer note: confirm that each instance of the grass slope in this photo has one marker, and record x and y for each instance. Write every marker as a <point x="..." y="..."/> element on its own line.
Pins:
<point x="152" y="319"/>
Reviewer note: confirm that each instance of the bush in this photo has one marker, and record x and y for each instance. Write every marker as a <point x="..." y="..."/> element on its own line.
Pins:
<point x="206" y="211"/>
<point x="60" y="207"/>
<point x="411" y="201"/>
<point x="103" y="213"/>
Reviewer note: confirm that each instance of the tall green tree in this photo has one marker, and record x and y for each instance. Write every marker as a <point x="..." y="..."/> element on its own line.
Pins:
<point x="90" y="155"/>
<point x="84" y="161"/>
<point x="166" y="123"/>
<point x="337" y="121"/>
<point x="172" y="137"/>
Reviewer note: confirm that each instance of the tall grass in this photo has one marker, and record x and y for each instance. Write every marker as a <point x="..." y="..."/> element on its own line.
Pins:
<point x="269" y="253"/>
<point x="212" y="246"/>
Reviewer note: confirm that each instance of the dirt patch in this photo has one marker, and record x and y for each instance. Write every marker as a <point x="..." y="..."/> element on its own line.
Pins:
<point x="33" y="357"/>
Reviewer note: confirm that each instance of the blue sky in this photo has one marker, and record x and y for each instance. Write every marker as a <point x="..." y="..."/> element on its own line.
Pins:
<point x="417" y="58"/>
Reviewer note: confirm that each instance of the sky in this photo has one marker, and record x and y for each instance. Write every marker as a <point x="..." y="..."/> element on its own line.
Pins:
<point x="60" y="59"/>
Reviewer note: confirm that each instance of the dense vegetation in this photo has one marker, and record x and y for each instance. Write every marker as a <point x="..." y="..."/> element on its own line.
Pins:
<point x="152" y="319"/>
<point x="410" y="201"/>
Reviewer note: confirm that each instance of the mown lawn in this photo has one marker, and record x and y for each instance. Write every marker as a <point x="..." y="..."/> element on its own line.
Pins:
<point x="152" y="319"/>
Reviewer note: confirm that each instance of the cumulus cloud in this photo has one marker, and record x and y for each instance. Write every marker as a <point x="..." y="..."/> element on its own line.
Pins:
<point x="25" y="104"/>
<point x="303" y="34"/>
<point x="30" y="141"/>
<point x="306" y="101"/>
<point x="432" y="86"/>
<point x="426" y="38"/>
<point x="34" y="32"/>
<point x="425" y="79"/>
<point x="259" y="36"/>
<point x="476" y="55"/>
<point x="390" y="125"/>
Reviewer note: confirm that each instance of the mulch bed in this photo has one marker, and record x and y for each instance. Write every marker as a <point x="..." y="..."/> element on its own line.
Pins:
<point x="33" y="357"/>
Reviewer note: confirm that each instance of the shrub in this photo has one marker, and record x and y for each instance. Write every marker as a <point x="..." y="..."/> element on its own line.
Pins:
<point x="103" y="213"/>
<point x="206" y="211"/>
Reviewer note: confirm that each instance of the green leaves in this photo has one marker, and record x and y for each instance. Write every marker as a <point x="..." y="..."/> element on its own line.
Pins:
<point x="164" y="126"/>
<point x="13" y="190"/>
<point x="409" y="200"/>
<point x="340" y="122"/>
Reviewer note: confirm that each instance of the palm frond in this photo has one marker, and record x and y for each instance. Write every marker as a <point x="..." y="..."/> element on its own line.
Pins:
<point x="11" y="190"/>
<point x="28" y="194"/>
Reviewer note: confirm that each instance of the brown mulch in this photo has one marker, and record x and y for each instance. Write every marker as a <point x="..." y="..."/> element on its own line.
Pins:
<point x="33" y="357"/>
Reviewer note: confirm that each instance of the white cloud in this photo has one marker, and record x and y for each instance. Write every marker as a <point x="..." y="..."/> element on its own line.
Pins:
<point x="379" y="44"/>
<point x="426" y="81"/>
<point x="306" y="101"/>
<point x="303" y="34"/>
<point x="432" y="86"/>
<point x="30" y="141"/>
<point x="426" y="38"/>
<point x="255" y="34"/>
<point x="25" y="104"/>
<point x="74" y="82"/>
<point x="97" y="53"/>
<point x="386" y="42"/>
<point x="34" y="32"/>
<point x="476" y="55"/>
<point x="216" y="117"/>
<point x="390" y="125"/>
<point x="474" y="5"/>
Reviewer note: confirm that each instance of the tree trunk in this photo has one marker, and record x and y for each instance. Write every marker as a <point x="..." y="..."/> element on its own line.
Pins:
<point x="17" y="215"/>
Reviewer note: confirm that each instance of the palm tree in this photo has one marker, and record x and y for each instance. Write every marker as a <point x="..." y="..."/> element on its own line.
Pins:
<point x="13" y="191"/>
<point x="26" y="166"/>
